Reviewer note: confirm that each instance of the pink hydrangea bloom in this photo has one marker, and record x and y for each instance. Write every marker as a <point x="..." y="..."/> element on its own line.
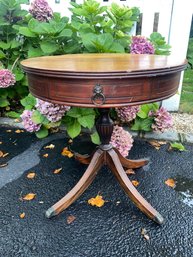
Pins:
<point x="40" y="10"/>
<point x="28" y="124"/>
<point x="121" y="140"/>
<point x="53" y="112"/>
<point x="140" y="45"/>
<point x="7" y="78"/>
<point x="128" y="113"/>
<point x="162" y="119"/>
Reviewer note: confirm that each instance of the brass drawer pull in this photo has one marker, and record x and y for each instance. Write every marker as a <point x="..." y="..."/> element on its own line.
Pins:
<point x="98" y="97"/>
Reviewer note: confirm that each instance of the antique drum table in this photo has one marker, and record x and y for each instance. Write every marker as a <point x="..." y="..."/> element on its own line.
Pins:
<point x="103" y="81"/>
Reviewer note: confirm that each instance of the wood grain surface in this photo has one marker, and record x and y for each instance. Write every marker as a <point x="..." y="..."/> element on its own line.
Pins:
<point x="125" y="79"/>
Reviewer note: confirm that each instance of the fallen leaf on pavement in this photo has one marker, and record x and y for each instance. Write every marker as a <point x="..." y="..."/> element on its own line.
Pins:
<point x="170" y="182"/>
<point x="56" y="171"/>
<point x="3" y="165"/>
<point x="18" y="131"/>
<point x="51" y="146"/>
<point x="5" y="154"/>
<point x="130" y="172"/>
<point x="8" y="130"/>
<point x="66" y="152"/>
<point x="1" y="154"/>
<point x="45" y="155"/>
<point x="22" y="215"/>
<point x="157" y="144"/>
<point x="29" y="197"/>
<point x="176" y="146"/>
<point x="70" y="219"/>
<point x="97" y="201"/>
<point x="135" y="182"/>
<point x="144" y="234"/>
<point x="31" y="175"/>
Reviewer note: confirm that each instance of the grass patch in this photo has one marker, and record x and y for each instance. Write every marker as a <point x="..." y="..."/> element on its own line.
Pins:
<point x="186" y="101"/>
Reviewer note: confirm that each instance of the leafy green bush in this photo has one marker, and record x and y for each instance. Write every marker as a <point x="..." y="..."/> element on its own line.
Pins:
<point x="93" y="28"/>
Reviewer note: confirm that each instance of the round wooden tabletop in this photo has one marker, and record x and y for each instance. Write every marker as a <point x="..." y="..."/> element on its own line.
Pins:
<point x="103" y="80"/>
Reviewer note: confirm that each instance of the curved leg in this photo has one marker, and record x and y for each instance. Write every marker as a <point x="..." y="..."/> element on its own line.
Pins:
<point x="131" y="164"/>
<point x="80" y="187"/>
<point x="116" y="167"/>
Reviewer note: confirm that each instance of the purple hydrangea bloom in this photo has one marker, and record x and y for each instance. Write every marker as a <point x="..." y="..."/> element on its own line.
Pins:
<point x="162" y="119"/>
<point x="53" y="112"/>
<point x="40" y="10"/>
<point x="28" y="124"/>
<point x="128" y="113"/>
<point x="121" y="140"/>
<point x="7" y="78"/>
<point x="140" y="45"/>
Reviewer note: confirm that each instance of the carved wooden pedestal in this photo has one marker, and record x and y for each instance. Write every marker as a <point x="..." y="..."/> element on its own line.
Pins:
<point x="106" y="155"/>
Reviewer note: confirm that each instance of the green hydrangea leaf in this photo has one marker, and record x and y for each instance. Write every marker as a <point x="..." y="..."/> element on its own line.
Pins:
<point x="48" y="47"/>
<point x="74" y="129"/>
<point x="177" y="146"/>
<point x="95" y="138"/>
<point x="87" y="121"/>
<point x="4" y="102"/>
<point x="43" y="132"/>
<point x="26" y="32"/>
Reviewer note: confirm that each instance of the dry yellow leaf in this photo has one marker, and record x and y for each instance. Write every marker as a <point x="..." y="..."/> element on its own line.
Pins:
<point x="51" y="146"/>
<point x="130" y="172"/>
<point x="56" y="171"/>
<point x="162" y="142"/>
<point x="97" y="201"/>
<point x="29" y="197"/>
<point x="1" y="154"/>
<point x="45" y="155"/>
<point x="31" y="175"/>
<point x="5" y="154"/>
<point x="18" y="131"/>
<point x="170" y="182"/>
<point x="155" y="144"/>
<point x="66" y="152"/>
<point x="8" y="130"/>
<point x="70" y="219"/>
<point x="22" y="215"/>
<point x="135" y="182"/>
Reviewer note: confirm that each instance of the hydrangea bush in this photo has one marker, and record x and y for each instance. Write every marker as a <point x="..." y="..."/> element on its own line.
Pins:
<point x="28" y="123"/>
<point x="53" y="112"/>
<point x="92" y="29"/>
<point x="7" y="78"/>
<point x="141" y="45"/>
<point x="128" y="113"/>
<point x="121" y="140"/>
<point x="40" y="10"/>
<point x="162" y="120"/>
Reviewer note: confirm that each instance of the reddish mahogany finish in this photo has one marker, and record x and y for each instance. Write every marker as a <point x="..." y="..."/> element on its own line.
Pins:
<point x="104" y="81"/>
<point x="125" y="79"/>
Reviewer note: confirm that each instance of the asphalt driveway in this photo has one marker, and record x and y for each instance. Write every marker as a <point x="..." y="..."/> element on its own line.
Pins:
<point x="118" y="229"/>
